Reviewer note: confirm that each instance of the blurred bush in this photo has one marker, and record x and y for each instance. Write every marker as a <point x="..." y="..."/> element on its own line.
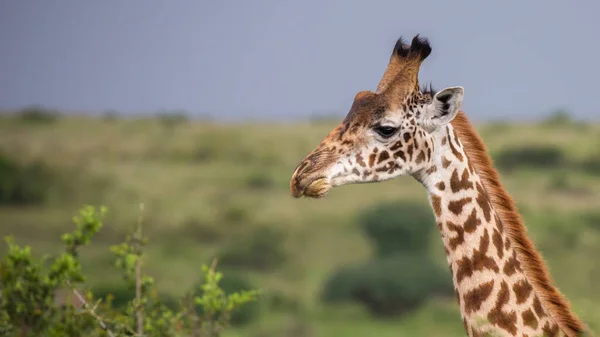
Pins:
<point x="391" y="285"/>
<point x="23" y="184"/>
<point x="533" y="156"/>
<point x="403" y="275"/>
<point x="260" y="180"/>
<point x="398" y="227"/>
<point x="171" y="119"/>
<point x="37" y="115"/>
<point x="262" y="249"/>
<point x="591" y="165"/>
<point x="558" y="118"/>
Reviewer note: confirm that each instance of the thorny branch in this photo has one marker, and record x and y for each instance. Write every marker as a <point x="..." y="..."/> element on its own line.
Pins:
<point x="90" y="310"/>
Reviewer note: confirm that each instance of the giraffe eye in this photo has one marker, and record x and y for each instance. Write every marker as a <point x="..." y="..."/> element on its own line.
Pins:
<point x="385" y="131"/>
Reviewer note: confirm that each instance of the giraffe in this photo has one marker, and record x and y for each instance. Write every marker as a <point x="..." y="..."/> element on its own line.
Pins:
<point x="501" y="282"/>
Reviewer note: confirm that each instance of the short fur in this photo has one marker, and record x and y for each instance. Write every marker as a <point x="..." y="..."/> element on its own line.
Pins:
<point x="533" y="265"/>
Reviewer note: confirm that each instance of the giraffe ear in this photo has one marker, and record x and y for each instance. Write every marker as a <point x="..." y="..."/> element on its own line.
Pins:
<point x="444" y="106"/>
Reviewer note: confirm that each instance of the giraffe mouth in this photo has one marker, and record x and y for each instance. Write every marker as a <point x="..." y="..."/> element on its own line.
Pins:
<point x="318" y="188"/>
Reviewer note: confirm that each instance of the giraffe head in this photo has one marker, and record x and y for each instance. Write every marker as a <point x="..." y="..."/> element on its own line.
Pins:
<point x="386" y="133"/>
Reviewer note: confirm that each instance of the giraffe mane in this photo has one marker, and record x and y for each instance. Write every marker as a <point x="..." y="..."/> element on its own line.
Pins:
<point x="531" y="261"/>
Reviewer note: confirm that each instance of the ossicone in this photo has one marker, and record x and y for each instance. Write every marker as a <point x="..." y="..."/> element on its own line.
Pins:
<point x="419" y="48"/>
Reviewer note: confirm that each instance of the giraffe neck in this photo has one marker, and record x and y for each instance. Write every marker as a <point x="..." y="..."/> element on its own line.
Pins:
<point x="492" y="290"/>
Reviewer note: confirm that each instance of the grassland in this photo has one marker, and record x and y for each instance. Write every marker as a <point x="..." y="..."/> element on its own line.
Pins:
<point x="205" y="186"/>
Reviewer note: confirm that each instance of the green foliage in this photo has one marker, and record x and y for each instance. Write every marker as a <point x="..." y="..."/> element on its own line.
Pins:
<point x="260" y="180"/>
<point x="398" y="227"/>
<point x="260" y="250"/>
<point x="171" y="119"/>
<point x="403" y="275"/>
<point x="217" y="300"/>
<point x="557" y="118"/>
<point x="23" y="184"/>
<point x="37" y="115"/>
<point x="391" y="285"/>
<point x="591" y="165"/>
<point x="28" y="305"/>
<point x="538" y="157"/>
<point x="28" y="286"/>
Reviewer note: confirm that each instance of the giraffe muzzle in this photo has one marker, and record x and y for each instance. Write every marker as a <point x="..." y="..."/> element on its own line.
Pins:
<point x="305" y="183"/>
<point x="316" y="188"/>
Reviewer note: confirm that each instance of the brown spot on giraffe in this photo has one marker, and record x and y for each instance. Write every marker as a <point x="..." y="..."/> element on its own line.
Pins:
<point x="460" y="235"/>
<point x="529" y="319"/>
<point x="472" y="222"/>
<point x="480" y="261"/>
<point x="499" y="223"/>
<point x="484" y="202"/>
<point x="512" y="265"/>
<point x="456" y="206"/>
<point x="400" y="154"/>
<point x="463" y="183"/>
<point x="445" y="162"/>
<point x="537" y="306"/>
<point x="372" y="159"/>
<point x="497" y="240"/>
<point x="499" y="317"/>
<point x="383" y="156"/>
<point x="475" y="298"/>
<point x="550" y="330"/>
<point x="420" y="157"/>
<point x="360" y="160"/>
<point x="436" y="203"/>
<point x="441" y="185"/>
<point x="431" y="169"/>
<point x="409" y="151"/>
<point x="455" y="152"/>
<point x="522" y="290"/>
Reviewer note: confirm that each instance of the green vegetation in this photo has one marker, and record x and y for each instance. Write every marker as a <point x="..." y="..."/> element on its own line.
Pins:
<point x="403" y="275"/>
<point x="221" y="191"/>
<point x="23" y="184"/>
<point x="29" y="306"/>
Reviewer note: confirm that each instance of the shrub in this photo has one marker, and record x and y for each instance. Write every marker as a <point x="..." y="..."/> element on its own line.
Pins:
<point x="23" y="184"/>
<point x="260" y="180"/>
<point x="398" y="227"/>
<point x="558" y="118"/>
<point x="540" y="157"/>
<point x="403" y="275"/>
<point x="36" y="114"/>
<point x="262" y="250"/>
<point x="170" y="119"/>
<point x="28" y="288"/>
<point x="391" y="285"/>
<point x="591" y="165"/>
<point x="235" y="283"/>
<point x="592" y="220"/>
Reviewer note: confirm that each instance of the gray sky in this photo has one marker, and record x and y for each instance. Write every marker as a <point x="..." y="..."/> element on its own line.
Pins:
<point x="282" y="59"/>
